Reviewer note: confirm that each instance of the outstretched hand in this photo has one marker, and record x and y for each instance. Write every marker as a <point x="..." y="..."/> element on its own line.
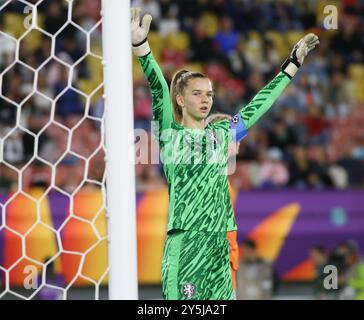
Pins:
<point x="303" y="47"/>
<point x="139" y="32"/>
<point x="298" y="54"/>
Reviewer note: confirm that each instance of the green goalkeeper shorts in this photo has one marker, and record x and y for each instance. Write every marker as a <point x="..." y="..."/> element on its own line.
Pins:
<point x="196" y="266"/>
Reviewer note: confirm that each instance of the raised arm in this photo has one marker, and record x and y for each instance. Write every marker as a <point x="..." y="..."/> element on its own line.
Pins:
<point x="265" y="98"/>
<point x="162" y="107"/>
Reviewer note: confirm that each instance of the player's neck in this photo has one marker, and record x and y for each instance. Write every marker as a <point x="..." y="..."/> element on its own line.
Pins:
<point x="191" y="123"/>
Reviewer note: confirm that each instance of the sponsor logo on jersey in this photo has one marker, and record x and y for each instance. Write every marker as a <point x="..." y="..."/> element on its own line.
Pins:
<point x="235" y="119"/>
<point x="213" y="138"/>
<point x="189" y="290"/>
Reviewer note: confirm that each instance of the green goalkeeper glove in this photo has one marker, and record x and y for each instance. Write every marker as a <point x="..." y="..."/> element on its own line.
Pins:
<point x="298" y="54"/>
<point x="139" y="32"/>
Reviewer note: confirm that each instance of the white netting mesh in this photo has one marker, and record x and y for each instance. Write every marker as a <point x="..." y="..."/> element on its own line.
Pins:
<point x="52" y="194"/>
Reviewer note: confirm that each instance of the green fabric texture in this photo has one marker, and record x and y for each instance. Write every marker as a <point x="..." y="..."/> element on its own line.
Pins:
<point x="264" y="99"/>
<point x="196" y="266"/>
<point x="195" y="161"/>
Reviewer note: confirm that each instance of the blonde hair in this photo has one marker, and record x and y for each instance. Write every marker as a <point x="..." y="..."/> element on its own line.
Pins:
<point x="178" y="84"/>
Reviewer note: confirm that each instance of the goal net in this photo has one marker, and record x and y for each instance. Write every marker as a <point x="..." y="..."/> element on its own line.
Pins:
<point x="53" y="230"/>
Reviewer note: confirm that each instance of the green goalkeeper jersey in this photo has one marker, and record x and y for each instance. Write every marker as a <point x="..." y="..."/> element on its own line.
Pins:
<point x="195" y="161"/>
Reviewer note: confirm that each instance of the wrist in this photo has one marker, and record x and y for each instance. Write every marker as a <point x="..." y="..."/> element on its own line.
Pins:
<point x="290" y="67"/>
<point x="141" y="49"/>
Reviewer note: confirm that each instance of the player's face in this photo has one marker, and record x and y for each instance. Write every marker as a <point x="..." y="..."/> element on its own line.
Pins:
<point x="197" y="98"/>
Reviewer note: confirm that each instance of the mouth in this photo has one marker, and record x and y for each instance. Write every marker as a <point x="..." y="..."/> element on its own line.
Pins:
<point x="204" y="109"/>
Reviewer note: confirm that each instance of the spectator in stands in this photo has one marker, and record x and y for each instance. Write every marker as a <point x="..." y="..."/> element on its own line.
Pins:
<point x="149" y="6"/>
<point x="303" y="172"/>
<point x="87" y="13"/>
<point x="348" y="41"/>
<point x="285" y="16"/>
<point x="267" y="59"/>
<point x="14" y="149"/>
<point x="189" y="10"/>
<point x="358" y="150"/>
<point x="201" y="47"/>
<point x="295" y="129"/>
<point x="169" y="22"/>
<point x="354" y="167"/>
<point x="43" y="52"/>
<point x="13" y="84"/>
<point x="251" y="148"/>
<point x="345" y="258"/>
<point x="7" y="49"/>
<point x="238" y="61"/>
<point x="254" y="82"/>
<point x="317" y="125"/>
<point x="7" y="117"/>
<point x="55" y="15"/>
<point x="321" y="165"/>
<point x="338" y="94"/>
<point x="273" y="172"/>
<point x="226" y="38"/>
<point x="319" y="257"/>
<point x="54" y="145"/>
<point x="309" y="90"/>
<point x="70" y="101"/>
<point x="253" y="15"/>
<point x="307" y="14"/>
<point x="282" y="135"/>
<point x="338" y="176"/>
<point x="256" y="278"/>
<point x="223" y="99"/>
<point x="292" y="98"/>
<point x="75" y="50"/>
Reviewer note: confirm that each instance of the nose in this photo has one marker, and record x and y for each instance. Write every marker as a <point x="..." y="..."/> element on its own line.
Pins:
<point x="205" y="98"/>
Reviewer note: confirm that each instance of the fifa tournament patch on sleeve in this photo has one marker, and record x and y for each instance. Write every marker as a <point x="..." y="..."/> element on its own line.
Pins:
<point x="237" y="127"/>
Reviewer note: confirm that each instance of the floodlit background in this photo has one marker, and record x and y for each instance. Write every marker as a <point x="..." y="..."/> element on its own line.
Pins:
<point x="298" y="185"/>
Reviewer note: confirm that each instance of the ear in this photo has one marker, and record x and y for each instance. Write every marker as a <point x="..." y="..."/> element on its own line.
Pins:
<point x="180" y="100"/>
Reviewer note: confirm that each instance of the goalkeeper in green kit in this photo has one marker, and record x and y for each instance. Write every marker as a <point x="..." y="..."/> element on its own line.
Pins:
<point x="196" y="262"/>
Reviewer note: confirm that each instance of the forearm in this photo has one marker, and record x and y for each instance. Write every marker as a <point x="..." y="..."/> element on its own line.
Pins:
<point x="161" y="103"/>
<point x="162" y="109"/>
<point x="264" y="99"/>
<point x="153" y="73"/>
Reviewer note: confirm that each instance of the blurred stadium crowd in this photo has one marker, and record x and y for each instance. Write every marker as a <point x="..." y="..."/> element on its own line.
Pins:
<point x="347" y="283"/>
<point x="350" y="271"/>
<point x="64" y="71"/>
<point x="313" y="137"/>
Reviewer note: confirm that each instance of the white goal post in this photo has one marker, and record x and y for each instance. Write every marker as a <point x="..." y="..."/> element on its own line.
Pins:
<point x="119" y="141"/>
